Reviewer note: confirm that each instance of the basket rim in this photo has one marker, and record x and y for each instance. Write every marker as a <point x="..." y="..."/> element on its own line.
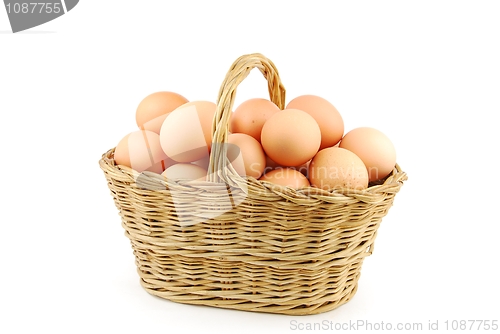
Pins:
<point x="375" y="192"/>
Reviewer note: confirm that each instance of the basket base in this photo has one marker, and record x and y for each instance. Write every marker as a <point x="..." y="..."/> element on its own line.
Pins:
<point x="204" y="298"/>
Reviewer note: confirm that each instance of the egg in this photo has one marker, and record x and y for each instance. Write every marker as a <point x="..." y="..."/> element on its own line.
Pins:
<point x="186" y="134"/>
<point x="252" y="154"/>
<point x="141" y="150"/>
<point x="249" y="117"/>
<point x="291" y="137"/>
<point x="326" y="115"/>
<point x="374" y="148"/>
<point x="335" y="168"/>
<point x="185" y="171"/>
<point x="286" y="177"/>
<point x="154" y="108"/>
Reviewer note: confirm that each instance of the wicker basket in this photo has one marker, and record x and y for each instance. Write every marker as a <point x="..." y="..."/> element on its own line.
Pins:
<point x="240" y="243"/>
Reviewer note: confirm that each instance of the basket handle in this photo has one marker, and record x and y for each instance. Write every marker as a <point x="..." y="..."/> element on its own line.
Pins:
<point x="219" y="169"/>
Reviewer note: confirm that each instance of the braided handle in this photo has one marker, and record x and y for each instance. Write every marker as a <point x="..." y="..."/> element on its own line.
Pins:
<point x="219" y="169"/>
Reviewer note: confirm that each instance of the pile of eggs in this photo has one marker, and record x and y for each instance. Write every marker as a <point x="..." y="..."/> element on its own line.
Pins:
<point x="300" y="146"/>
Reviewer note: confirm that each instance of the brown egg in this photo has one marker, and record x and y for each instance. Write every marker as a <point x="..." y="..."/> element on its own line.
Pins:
<point x="186" y="134"/>
<point x="154" y="108"/>
<point x="250" y="116"/>
<point x="291" y="137"/>
<point x="185" y="172"/>
<point x="335" y="168"/>
<point x="141" y="150"/>
<point x="374" y="148"/>
<point x="326" y="115"/>
<point x="252" y="155"/>
<point x="286" y="177"/>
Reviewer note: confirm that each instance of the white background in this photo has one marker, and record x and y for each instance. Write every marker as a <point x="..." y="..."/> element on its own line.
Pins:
<point x="426" y="73"/>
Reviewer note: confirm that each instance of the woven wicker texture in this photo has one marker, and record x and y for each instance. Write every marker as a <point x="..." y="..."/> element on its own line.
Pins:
<point x="240" y="243"/>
